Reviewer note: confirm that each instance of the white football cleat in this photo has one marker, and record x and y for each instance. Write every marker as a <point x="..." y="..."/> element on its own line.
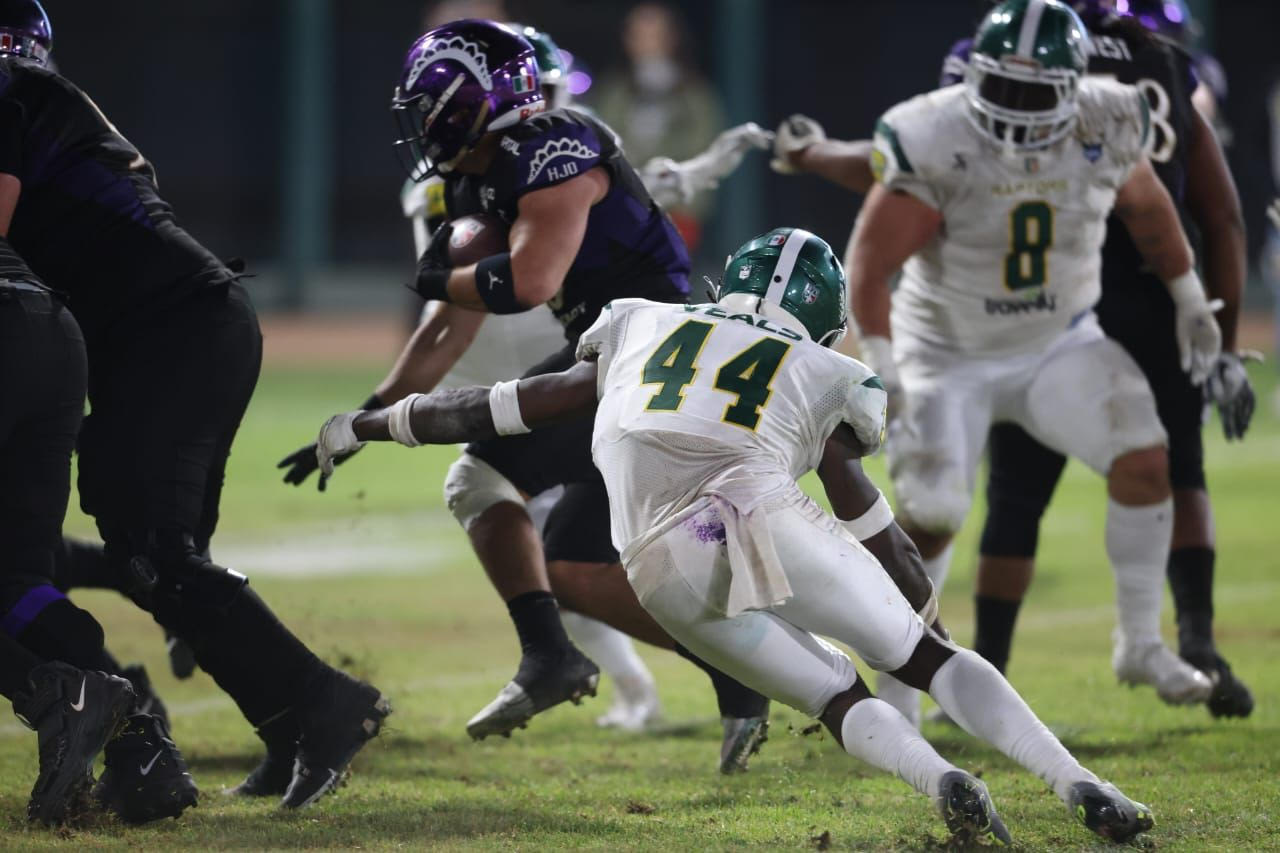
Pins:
<point x="1176" y="681"/>
<point x="635" y="707"/>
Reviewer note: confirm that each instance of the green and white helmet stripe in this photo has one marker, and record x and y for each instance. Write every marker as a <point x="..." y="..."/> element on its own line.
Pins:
<point x="793" y="270"/>
<point x="1030" y="28"/>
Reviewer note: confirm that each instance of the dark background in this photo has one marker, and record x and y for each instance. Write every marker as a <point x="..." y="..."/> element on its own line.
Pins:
<point x="203" y="88"/>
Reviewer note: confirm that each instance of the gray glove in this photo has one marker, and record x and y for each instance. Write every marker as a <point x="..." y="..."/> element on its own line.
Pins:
<point x="1228" y="388"/>
<point x="795" y="134"/>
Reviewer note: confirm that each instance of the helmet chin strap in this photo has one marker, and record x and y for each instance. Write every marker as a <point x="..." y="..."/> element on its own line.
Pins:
<point x="751" y="304"/>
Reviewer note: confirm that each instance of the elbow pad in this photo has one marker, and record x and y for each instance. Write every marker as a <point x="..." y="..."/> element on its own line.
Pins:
<point x="496" y="284"/>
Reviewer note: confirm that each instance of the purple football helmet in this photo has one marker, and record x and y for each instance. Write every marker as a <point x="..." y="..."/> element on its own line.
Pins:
<point x="461" y="81"/>
<point x="25" y="30"/>
<point x="1169" y="18"/>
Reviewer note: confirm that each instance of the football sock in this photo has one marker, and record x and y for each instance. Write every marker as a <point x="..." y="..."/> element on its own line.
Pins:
<point x="982" y="703"/>
<point x="735" y="699"/>
<point x="904" y="699"/>
<point x="889" y="689"/>
<point x="1191" y="581"/>
<point x="254" y="658"/>
<point x="16" y="663"/>
<point x="877" y="734"/>
<point x="536" y="616"/>
<point x="613" y="652"/>
<point x="993" y="631"/>
<point x="1138" y="547"/>
<point x="937" y="566"/>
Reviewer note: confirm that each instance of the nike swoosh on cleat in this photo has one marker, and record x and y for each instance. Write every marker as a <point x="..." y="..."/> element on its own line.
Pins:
<point x="79" y="705"/>
<point x="144" y="769"/>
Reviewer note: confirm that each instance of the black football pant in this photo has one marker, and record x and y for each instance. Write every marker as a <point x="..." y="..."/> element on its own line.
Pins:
<point x="42" y="388"/>
<point x="167" y="391"/>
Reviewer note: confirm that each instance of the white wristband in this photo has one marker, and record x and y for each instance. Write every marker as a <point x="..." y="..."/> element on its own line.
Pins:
<point x="1187" y="291"/>
<point x="877" y="353"/>
<point x="871" y="522"/>
<point x="398" y="421"/>
<point x="505" y="407"/>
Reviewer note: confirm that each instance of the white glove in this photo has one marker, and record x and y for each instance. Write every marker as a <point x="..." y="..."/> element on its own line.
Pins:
<point x="795" y="134"/>
<point x="337" y="439"/>
<point x="1273" y="213"/>
<point x="1199" y="338"/>
<point x="677" y="183"/>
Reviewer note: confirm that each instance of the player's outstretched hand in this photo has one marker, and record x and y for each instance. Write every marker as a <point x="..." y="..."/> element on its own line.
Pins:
<point x="302" y="463"/>
<point x="794" y="134"/>
<point x="1228" y="388"/>
<point x="337" y="442"/>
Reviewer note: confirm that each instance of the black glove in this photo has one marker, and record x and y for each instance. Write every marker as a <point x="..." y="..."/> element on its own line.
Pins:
<point x="1229" y="388"/>
<point x="434" y="266"/>
<point x="300" y="464"/>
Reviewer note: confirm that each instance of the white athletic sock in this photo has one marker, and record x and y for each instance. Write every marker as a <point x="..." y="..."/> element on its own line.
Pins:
<point x="874" y="732"/>
<point x="1138" y="546"/>
<point x="614" y="652"/>
<point x="905" y="700"/>
<point x="938" y="566"/>
<point x="976" y="696"/>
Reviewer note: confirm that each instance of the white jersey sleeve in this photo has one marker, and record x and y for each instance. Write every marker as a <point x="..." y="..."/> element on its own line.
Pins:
<point x="905" y="150"/>
<point x="867" y="406"/>
<point x="1117" y="117"/>
<point x="599" y="343"/>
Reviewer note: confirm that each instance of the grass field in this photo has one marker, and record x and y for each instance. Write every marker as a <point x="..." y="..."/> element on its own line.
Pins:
<point x="376" y="577"/>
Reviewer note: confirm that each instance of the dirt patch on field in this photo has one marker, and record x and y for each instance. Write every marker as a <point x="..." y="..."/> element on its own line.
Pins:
<point x="296" y="340"/>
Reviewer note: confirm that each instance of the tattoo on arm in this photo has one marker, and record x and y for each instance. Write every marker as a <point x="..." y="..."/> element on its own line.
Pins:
<point x="450" y="416"/>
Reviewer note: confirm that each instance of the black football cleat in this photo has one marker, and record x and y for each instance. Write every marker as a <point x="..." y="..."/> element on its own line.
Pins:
<point x="1230" y="697"/>
<point x="145" y="778"/>
<point x="334" y="724"/>
<point x="968" y="811"/>
<point x="539" y="684"/>
<point x="1104" y="810"/>
<point x="147" y="700"/>
<point x="742" y="739"/>
<point x="74" y="714"/>
<point x="273" y="774"/>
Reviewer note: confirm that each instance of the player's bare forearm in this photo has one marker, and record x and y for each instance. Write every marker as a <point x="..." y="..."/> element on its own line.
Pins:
<point x="451" y="416"/>
<point x="851" y="494"/>
<point x="1215" y="207"/>
<point x="847" y="164"/>
<point x="10" y="190"/>
<point x="1148" y="212"/>
<point x="432" y="351"/>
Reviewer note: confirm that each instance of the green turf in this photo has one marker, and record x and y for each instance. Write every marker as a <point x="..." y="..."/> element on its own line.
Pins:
<point x="422" y="624"/>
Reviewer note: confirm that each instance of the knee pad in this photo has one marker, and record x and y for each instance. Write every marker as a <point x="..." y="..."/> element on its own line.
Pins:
<point x="472" y="486"/>
<point x="935" y="504"/>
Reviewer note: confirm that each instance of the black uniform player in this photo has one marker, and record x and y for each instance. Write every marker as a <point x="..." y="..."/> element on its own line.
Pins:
<point x="1136" y="311"/>
<point x="583" y="231"/>
<point x="174" y="351"/>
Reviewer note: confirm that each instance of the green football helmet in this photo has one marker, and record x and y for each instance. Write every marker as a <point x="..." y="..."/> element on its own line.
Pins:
<point x="552" y="69"/>
<point x="789" y="274"/>
<point x="1024" y="73"/>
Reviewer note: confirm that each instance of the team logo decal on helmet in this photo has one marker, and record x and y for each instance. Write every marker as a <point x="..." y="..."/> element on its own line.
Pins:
<point x="461" y="81"/>
<point x="789" y="275"/>
<point x="459" y="50"/>
<point x="1024" y="73"/>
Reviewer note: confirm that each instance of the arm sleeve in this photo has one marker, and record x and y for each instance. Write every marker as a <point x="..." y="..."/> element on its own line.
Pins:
<point x="898" y="168"/>
<point x="956" y="63"/>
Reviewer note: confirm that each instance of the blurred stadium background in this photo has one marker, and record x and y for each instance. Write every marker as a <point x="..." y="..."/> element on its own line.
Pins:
<point x="267" y="119"/>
